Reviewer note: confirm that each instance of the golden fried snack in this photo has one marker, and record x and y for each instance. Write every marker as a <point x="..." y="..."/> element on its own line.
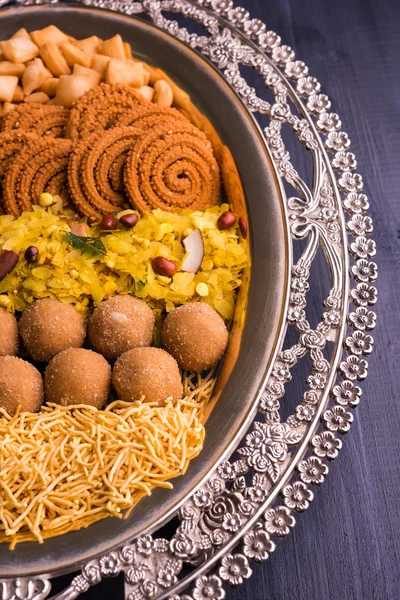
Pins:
<point x="10" y="144"/>
<point x="149" y="115"/>
<point x="39" y="119"/>
<point x="172" y="169"/>
<point x="89" y="166"/>
<point x="31" y="169"/>
<point x="98" y="109"/>
<point x="58" y="186"/>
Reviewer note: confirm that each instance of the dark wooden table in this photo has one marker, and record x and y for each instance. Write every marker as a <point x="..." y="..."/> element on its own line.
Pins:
<point x="346" y="546"/>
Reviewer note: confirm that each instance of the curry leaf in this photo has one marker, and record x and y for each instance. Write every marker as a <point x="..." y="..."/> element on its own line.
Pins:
<point x="93" y="244"/>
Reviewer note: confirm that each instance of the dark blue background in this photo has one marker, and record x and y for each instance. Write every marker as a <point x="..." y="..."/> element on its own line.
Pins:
<point x="346" y="546"/>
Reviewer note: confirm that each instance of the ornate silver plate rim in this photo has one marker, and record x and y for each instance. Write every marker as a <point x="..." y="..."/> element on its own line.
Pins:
<point x="249" y="501"/>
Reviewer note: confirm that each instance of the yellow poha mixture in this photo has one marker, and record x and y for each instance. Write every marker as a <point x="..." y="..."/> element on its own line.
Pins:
<point x="84" y="278"/>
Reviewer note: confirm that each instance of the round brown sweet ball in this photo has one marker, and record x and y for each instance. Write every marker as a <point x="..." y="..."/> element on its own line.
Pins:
<point x="148" y="372"/>
<point x="20" y="385"/>
<point x="195" y="335"/>
<point x="9" y="334"/>
<point x="120" y="324"/>
<point x="48" y="326"/>
<point x="77" y="376"/>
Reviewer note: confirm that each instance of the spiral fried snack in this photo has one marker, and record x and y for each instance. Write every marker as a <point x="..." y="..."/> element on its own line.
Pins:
<point x="99" y="108"/>
<point x="149" y="115"/>
<point x="58" y="186"/>
<point x="10" y="144"/>
<point x="89" y="170"/>
<point x="39" y="119"/>
<point x="31" y="170"/>
<point x="172" y="169"/>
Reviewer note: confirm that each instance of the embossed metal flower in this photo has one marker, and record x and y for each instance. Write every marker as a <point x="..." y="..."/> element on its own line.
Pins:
<point x="234" y="569"/>
<point x="354" y="368"/>
<point x="257" y="545"/>
<point x="271" y="450"/>
<point x="312" y="470"/>
<point x="297" y="300"/>
<point x="208" y="588"/>
<point x="225" y="48"/>
<point x="109" y="565"/>
<point x="297" y="496"/>
<point x="281" y="372"/>
<point x="269" y="40"/>
<point x="344" y="161"/>
<point x="326" y="445"/>
<point x="363" y="295"/>
<point x="300" y="284"/>
<point x="355" y="203"/>
<point x="362" y="318"/>
<point x="166" y="578"/>
<point x="226" y="471"/>
<point x="318" y="103"/>
<point x="338" y="419"/>
<point x="331" y="318"/>
<point x="307" y="86"/>
<point x="278" y="521"/>
<point x="359" y="343"/>
<point x="202" y="499"/>
<point x="238" y="15"/>
<point x="304" y="412"/>
<point x="148" y="589"/>
<point x="280" y="111"/>
<point x="182" y="546"/>
<point x="360" y="225"/>
<point x="328" y="214"/>
<point x="316" y="382"/>
<point x="127" y="555"/>
<point x="221" y="6"/>
<point x="91" y="573"/>
<point x="296" y="69"/>
<point x="137" y="573"/>
<point x="282" y="54"/>
<point x="351" y="182"/>
<point x="364" y="271"/>
<point x="256" y="494"/>
<point x="346" y="393"/>
<point x="362" y="247"/>
<point x="328" y="122"/>
<point x="145" y="545"/>
<point x="232" y="522"/>
<point x="254" y="27"/>
<point x="269" y="403"/>
<point x="337" y="140"/>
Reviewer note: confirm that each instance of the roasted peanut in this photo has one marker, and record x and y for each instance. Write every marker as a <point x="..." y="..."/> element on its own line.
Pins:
<point x="129" y="220"/>
<point x="226" y="220"/>
<point x="163" y="266"/>
<point x="244" y="229"/>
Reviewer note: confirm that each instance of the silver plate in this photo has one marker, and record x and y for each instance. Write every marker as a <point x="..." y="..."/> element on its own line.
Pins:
<point x="249" y="501"/>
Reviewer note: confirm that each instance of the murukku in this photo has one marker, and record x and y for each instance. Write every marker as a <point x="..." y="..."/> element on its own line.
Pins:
<point x="58" y="186"/>
<point x="172" y="169"/>
<point x="39" y="119"/>
<point x="10" y="144"/>
<point x="149" y="116"/>
<point x="99" y="108"/>
<point x="89" y="166"/>
<point x="30" y="171"/>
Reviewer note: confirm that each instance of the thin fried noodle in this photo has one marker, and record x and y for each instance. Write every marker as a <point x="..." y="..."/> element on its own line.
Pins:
<point x="66" y="467"/>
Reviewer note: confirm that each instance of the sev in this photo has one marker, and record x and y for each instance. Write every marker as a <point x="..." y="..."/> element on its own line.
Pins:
<point x="66" y="467"/>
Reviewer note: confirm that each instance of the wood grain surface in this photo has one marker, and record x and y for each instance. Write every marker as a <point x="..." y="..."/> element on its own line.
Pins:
<point x="346" y="546"/>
